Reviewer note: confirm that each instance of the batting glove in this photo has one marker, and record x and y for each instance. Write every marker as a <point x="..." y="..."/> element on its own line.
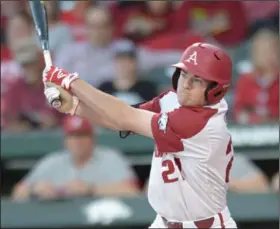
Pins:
<point x="59" y="77"/>
<point x="69" y="103"/>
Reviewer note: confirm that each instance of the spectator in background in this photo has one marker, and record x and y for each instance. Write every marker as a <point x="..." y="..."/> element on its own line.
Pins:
<point x="19" y="27"/>
<point x="223" y="20"/>
<point x="94" y="58"/>
<point x="72" y="13"/>
<point x="59" y="32"/>
<point x="245" y="176"/>
<point x="7" y="8"/>
<point x="262" y="14"/>
<point x="275" y="182"/>
<point x="82" y="169"/>
<point x="152" y="24"/>
<point x="150" y="19"/>
<point x="126" y="85"/>
<point x="257" y="92"/>
<point x="25" y="107"/>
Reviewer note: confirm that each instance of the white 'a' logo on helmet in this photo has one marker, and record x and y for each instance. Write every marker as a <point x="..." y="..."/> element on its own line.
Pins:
<point x="192" y="58"/>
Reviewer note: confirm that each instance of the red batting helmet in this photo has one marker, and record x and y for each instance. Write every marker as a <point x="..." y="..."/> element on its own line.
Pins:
<point x="210" y="63"/>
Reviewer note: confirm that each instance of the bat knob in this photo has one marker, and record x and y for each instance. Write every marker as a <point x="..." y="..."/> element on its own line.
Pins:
<point x="56" y="103"/>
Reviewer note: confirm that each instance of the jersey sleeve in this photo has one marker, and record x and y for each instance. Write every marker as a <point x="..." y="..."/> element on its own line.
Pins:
<point x="154" y="104"/>
<point x="170" y="128"/>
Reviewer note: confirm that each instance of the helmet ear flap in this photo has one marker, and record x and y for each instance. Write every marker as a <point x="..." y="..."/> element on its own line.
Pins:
<point x="214" y="93"/>
<point x="175" y="78"/>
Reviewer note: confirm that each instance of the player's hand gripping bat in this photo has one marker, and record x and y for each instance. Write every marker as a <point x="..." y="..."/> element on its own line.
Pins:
<point x="40" y="20"/>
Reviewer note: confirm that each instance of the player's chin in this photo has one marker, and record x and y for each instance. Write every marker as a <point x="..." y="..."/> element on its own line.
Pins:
<point x="183" y="101"/>
<point x="188" y="102"/>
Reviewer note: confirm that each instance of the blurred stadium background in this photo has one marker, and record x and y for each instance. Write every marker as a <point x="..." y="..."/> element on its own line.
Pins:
<point x="126" y="48"/>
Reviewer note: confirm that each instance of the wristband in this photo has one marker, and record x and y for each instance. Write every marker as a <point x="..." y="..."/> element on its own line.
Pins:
<point x="67" y="81"/>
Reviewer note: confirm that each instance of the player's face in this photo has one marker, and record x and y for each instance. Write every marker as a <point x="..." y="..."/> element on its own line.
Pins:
<point x="79" y="146"/>
<point x="191" y="89"/>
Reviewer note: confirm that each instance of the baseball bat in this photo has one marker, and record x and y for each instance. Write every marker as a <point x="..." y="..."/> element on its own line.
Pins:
<point x="41" y="24"/>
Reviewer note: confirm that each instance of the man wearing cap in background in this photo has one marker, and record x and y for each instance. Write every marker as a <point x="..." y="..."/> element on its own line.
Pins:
<point x="81" y="169"/>
<point x="127" y="85"/>
<point x="25" y="105"/>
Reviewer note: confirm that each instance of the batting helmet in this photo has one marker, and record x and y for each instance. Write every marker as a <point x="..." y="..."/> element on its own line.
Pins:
<point x="210" y="63"/>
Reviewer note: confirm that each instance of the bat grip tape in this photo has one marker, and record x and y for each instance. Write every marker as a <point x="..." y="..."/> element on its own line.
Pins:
<point x="47" y="57"/>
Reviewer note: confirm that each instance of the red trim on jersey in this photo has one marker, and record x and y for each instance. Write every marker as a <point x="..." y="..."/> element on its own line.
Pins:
<point x="229" y="147"/>
<point x="221" y="220"/>
<point x="153" y="105"/>
<point x="182" y="123"/>
<point x="229" y="166"/>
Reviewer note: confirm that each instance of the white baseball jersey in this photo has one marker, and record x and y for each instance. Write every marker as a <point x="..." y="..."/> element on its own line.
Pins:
<point x="192" y="159"/>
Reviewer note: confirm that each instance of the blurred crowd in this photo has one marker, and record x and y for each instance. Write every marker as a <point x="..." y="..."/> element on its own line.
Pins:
<point x="114" y="45"/>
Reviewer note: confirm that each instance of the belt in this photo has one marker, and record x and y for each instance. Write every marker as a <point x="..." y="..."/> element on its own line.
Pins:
<point x="205" y="223"/>
<point x="201" y="224"/>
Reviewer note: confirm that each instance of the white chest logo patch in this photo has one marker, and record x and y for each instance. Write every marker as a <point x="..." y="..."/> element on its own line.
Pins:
<point x="192" y="58"/>
<point x="162" y="122"/>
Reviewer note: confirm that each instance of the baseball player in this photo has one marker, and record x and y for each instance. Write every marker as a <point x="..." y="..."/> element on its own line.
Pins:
<point x="193" y="151"/>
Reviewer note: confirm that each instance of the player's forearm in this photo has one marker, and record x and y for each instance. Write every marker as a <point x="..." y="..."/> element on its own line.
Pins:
<point x="110" y="108"/>
<point x="94" y="117"/>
